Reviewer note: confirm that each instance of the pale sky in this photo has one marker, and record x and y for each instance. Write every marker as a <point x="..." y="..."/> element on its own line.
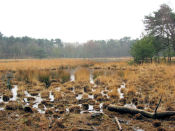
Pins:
<point x="76" y="20"/>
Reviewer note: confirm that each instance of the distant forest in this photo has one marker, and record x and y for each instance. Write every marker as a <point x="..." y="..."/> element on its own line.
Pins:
<point x="26" y="47"/>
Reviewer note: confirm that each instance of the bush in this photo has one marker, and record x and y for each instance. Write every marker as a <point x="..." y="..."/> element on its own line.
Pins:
<point x="143" y="49"/>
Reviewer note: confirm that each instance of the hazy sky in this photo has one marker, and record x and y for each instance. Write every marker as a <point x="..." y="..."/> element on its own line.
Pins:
<point x="76" y="20"/>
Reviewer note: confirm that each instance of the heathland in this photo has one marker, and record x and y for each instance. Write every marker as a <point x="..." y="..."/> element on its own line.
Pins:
<point x="74" y="94"/>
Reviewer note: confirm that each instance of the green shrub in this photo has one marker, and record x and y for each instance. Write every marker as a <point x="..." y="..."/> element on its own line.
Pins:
<point x="131" y="62"/>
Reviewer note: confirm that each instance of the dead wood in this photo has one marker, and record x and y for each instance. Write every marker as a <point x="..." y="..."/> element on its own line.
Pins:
<point x="158" y="115"/>
<point x="118" y="123"/>
<point x="155" y="112"/>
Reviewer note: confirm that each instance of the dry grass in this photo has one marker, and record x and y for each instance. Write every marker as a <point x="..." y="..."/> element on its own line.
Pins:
<point x="26" y="75"/>
<point x="43" y="76"/>
<point x="131" y="92"/>
<point x="114" y="94"/>
<point x="152" y="80"/>
<point x="45" y="94"/>
<point x="26" y="64"/>
<point x="82" y="74"/>
<point x="142" y="81"/>
<point x="57" y="95"/>
<point x="145" y="84"/>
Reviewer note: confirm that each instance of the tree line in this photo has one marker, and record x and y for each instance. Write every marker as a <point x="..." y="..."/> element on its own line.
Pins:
<point x="159" y="39"/>
<point x="27" y="47"/>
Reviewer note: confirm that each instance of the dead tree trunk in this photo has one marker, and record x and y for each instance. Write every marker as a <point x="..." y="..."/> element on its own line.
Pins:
<point x="158" y="115"/>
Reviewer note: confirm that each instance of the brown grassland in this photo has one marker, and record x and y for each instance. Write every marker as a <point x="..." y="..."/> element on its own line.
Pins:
<point x="47" y="99"/>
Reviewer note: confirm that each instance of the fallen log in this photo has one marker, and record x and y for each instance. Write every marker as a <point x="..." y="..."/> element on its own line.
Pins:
<point x="158" y="115"/>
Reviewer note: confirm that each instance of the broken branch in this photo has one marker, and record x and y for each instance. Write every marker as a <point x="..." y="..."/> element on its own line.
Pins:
<point x="118" y="123"/>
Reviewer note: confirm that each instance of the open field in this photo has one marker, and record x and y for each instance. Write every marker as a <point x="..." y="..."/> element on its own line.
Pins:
<point x="74" y="94"/>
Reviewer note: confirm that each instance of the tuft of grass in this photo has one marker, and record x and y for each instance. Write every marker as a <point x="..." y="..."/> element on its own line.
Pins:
<point x="82" y="74"/>
<point x="57" y="95"/>
<point x="97" y="73"/>
<point x="27" y="76"/>
<point x="131" y="92"/>
<point x="85" y="96"/>
<point x="61" y="75"/>
<point x="120" y="73"/>
<point x="75" y="109"/>
<point x="45" y="94"/>
<point x="64" y="76"/>
<point x="114" y="94"/>
<point x="44" y="77"/>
